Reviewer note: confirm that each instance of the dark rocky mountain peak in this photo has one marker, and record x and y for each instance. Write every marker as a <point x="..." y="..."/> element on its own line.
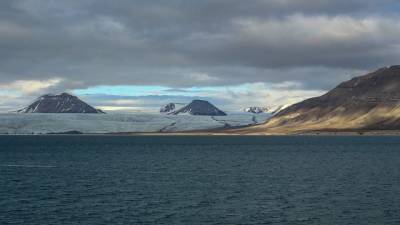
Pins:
<point x="201" y="108"/>
<point x="62" y="103"/>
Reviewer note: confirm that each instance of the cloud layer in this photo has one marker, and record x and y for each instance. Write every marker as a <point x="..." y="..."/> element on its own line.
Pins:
<point x="78" y="44"/>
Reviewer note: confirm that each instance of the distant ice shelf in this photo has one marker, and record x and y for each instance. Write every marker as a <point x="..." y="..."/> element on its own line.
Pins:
<point x="119" y="123"/>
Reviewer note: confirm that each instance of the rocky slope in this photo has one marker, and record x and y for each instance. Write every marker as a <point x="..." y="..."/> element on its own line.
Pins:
<point x="369" y="102"/>
<point x="200" y="108"/>
<point x="62" y="103"/>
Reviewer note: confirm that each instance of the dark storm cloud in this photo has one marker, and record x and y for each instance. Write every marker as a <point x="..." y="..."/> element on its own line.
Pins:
<point x="181" y="43"/>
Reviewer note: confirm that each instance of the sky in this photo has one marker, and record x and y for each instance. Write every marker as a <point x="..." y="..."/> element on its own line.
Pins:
<point x="136" y="55"/>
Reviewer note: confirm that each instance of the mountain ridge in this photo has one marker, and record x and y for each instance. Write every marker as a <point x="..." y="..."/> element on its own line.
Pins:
<point x="371" y="102"/>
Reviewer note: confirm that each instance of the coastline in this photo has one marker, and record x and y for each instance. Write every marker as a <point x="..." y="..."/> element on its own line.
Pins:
<point x="229" y="133"/>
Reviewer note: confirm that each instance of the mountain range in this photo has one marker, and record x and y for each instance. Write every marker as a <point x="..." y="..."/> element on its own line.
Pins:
<point x="366" y="103"/>
<point x="258" y="109"/>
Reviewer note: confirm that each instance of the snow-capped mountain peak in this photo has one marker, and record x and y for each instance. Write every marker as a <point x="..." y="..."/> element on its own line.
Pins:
<point x="270" y="109"/>
<point x="255" y="109"/>
<point x="171" y="107"/>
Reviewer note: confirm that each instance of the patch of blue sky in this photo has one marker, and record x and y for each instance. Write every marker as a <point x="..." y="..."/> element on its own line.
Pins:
<point x="123" y="90"/>
<point x="143" y="90"/>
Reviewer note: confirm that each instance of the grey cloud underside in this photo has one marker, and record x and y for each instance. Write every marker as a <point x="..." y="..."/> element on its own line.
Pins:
<point x="164" y="42"/>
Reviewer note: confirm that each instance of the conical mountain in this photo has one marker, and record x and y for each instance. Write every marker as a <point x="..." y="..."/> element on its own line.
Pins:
<point x="62" y="103"/>
<point x="200" y="108"/>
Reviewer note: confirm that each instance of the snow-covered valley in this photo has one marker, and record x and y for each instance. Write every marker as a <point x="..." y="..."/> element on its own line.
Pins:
<point x="13" y="123"/>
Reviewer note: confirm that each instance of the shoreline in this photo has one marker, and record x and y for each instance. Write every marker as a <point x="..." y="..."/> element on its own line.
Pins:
<point x="227" y="133"/>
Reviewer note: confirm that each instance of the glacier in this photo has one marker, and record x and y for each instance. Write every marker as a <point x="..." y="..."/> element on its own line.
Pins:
<point x="37" y="123"/>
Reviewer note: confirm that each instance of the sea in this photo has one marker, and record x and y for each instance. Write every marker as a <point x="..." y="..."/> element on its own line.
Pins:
<point x="199" y="180"/>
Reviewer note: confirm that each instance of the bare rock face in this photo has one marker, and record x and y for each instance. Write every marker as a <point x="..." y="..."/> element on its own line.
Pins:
<point x="62" y="103"/>
<point x="200" y="108"/>
<point x="369" y="102"/>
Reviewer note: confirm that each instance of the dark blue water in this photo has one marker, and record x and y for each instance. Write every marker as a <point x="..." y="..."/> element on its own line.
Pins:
<point x="199" y="180"/>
